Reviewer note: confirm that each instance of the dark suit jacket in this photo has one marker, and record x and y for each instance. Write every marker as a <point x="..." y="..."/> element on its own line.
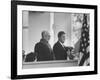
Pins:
<point x="59" y="51"/>
<point x="43" y="51"/>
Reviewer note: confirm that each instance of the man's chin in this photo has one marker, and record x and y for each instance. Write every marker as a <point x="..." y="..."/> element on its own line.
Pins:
<point x="63" y="41"/>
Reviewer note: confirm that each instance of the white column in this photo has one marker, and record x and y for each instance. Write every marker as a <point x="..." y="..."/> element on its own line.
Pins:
<point x="25" y="28"/>
<point x="51" y="29"/>
<point x="67" y="29"/>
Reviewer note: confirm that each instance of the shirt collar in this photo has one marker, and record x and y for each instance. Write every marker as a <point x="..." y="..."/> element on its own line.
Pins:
<point x="61" y="43"/>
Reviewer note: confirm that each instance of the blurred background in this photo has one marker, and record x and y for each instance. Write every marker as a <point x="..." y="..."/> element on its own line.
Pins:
<point x="34" y="22"/>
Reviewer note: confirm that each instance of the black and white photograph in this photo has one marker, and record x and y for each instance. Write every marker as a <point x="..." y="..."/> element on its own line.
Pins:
<point x="53" y="38"/>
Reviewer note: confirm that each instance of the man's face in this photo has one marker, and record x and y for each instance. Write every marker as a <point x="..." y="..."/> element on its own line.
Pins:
<point x="47" y="36"/>
<point x="62" y="38"/>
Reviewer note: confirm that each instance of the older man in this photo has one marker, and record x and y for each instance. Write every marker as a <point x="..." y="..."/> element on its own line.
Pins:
<point x="43" y="49"/>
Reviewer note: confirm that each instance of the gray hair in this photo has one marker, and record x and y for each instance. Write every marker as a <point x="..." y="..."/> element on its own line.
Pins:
<point x="44" y="33"/>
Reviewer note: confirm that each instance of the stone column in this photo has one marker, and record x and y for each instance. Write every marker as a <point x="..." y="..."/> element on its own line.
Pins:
<point x="51" y="28"/>
<point x="25" y="30"/>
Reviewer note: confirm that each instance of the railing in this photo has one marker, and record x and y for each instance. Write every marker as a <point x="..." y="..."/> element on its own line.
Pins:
<point x="57" y="63"/>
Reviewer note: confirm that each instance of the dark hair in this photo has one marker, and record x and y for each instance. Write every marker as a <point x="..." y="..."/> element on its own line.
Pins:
<point x="60" y="34"/>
